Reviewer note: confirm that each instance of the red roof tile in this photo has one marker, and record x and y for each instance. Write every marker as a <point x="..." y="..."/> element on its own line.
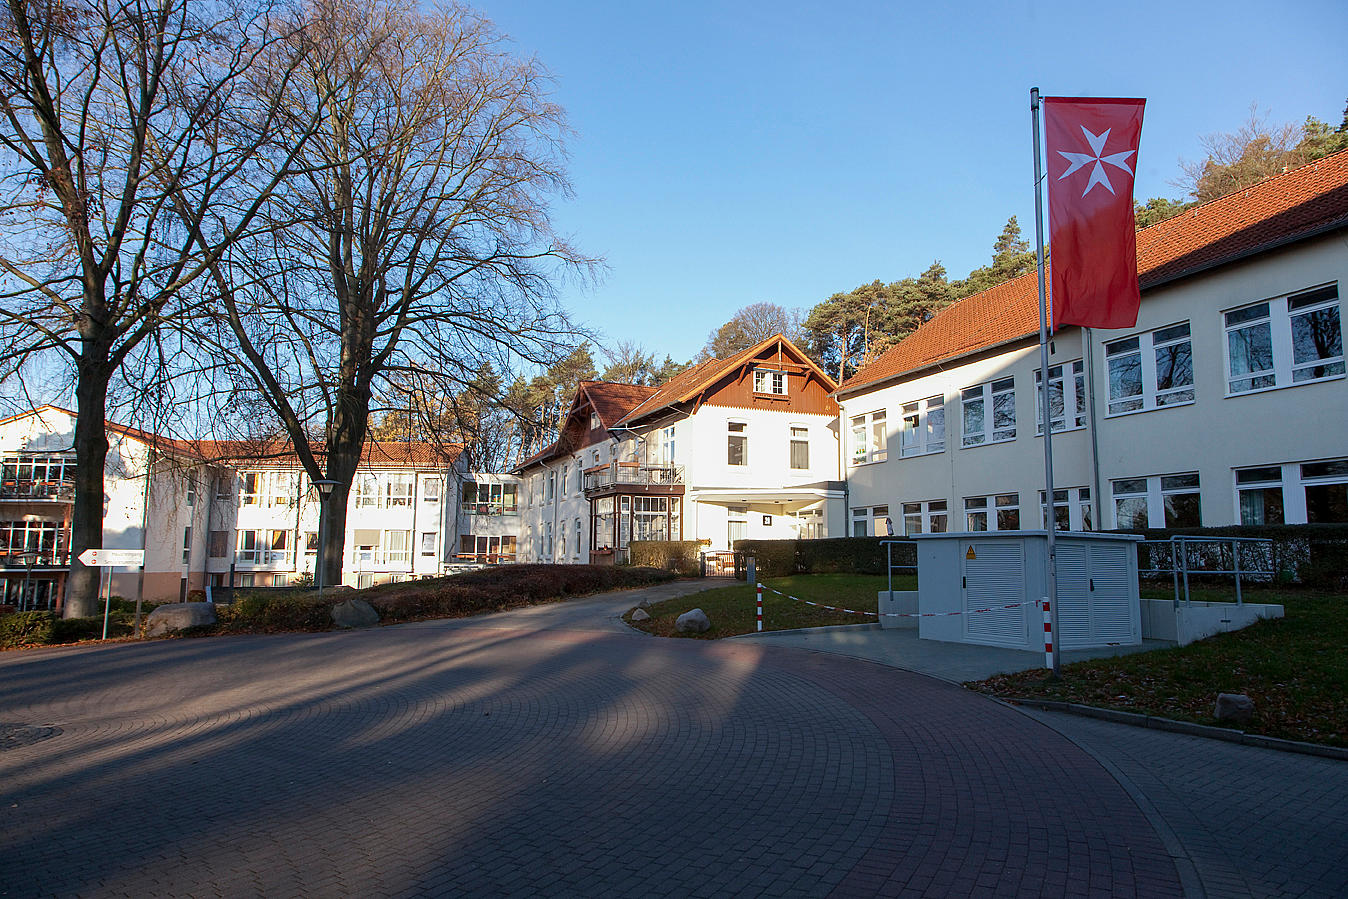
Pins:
<point x="613" y="400"/>
<point x="1276" y="211"/>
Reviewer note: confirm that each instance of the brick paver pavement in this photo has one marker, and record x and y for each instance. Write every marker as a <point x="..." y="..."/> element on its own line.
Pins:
<point x="536" y="754"/>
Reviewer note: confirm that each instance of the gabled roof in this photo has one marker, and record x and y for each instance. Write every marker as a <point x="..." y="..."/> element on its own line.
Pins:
<point x="1280" y="210"/>
<point x="693" y="381"/>
<point x="612" y="400"/>
<point x="378" y="454"/>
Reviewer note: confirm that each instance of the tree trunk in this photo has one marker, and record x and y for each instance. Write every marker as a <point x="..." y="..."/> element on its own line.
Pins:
<point x="333" y="533"/>
<point x="91" y="451"/>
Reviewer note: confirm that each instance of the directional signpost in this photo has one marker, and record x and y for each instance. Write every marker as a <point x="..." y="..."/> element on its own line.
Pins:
<point x="112" y="558"/>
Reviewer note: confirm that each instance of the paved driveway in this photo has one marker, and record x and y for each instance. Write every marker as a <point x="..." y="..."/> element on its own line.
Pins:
<point x="543" y="751"/>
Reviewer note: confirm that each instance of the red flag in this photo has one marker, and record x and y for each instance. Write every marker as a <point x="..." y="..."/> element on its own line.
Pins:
<point x="1091" y="146"/>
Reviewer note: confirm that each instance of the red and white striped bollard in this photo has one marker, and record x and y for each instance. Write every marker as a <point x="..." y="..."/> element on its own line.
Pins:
<point x="1048" y="637"/>
<point x="760" y="606"/>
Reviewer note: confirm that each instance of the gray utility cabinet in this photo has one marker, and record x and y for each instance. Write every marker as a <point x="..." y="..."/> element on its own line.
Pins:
<point x="978" y="575"/>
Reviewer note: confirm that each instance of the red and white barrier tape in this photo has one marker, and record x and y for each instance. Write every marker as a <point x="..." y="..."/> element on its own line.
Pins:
<point x="820" y="605"/>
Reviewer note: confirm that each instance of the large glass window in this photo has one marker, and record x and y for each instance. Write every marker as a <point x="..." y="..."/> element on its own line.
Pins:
<point x="1000" y="512"/>
<point x="800" y="448"/>
<point x="1066" y="391"/>
<point x="650" y="518"/>
<point x="1326" y="486"/>
<point x="737" y="443"/>
<point x="1259" y="491"/>
<point x="926" y="517"/>
<point x="988" y="412"/>
<point x="1170" y="501"/>
<point x="1284" y="341"/>
<point x="923" y="427"/>
<point x="1150" y="370"/>
<point x="869" y="438"/>
<point x="771" y="382"/>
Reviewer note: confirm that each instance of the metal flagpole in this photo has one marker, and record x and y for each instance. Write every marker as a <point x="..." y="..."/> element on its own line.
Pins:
<point x="1046" y="418"/>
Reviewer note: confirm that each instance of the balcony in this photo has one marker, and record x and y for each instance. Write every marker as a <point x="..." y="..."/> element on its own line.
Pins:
<point x="385" y="558"/>
<point x="46" y="559"/>
<point x="495" y="508"/>
<point x="262" y="557"/>
<point x="38" y="491"/>
<point x="633" y="477"/>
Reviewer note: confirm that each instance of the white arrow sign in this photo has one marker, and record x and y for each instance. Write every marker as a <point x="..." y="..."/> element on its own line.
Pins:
<point x="111" y="558"/>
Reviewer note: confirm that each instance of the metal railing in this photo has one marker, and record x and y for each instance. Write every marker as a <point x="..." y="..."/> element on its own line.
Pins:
<point x="890" y="567"/>
<point x="495" y="508"/>
<point x="620" y="473"/>
<point x="46" y="558"/>
<point x="60" y="491"/>
<point x="1183" y="555"/>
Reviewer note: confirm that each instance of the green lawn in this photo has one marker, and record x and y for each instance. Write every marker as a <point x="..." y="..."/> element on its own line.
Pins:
<point x="1295" y="669"/>
<point x="731" y="609"/>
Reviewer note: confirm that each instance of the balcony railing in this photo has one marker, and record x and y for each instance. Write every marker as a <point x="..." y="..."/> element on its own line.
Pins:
<point x="262" y="556"/>
<point x="630" y="473"/>
<point x="45" y="559"/>
<point x="489" y="509"/>
<point x="497" y="558"/>
<point x="49" y="491"/>
<point x="376" y="558"/>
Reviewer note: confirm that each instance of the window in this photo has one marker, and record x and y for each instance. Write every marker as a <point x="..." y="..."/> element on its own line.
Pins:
<point x="1062" y="394"/>
<point x="262" y="547"/>
<point x="868" y="438"/>
<point x="187" y="545"/>
<point x="595" y="423"/>
<point x="243" y="580"/>
<point x="278" y="580"/>
<point x="561" y="540"/>
<point x="1150" y="370"/>
<point x="772" y="382"/>
<point x="800" y="448"/>
<point x="666" y="445"/>
<point x="859" y="523"/>
<point x="430" y="490"/>
<point x="39" y="468"/>
<point x="1000" y="397"/>
<point x="217" y="545"/>
<point x="223" y="488"/>
<point x="1170" y="501"/>
<point x="737" y="528"/>
<point x="428" y="543"/>
<point x="397" y="547"/>
<point x="398" y="489"/>
<point x="577" y="538"/>
<point x="1326" y="485"/>
<point x="566" y="476"/>
<point x="1284" y="341"/>
<point x="881" y="524"/>
<point x="928" y="517"/>
<point x="311" y="543"/>
<point x="510" y="504"/>
<point x="549" y="491"/>
<point x="923" y="427"/>
<point x="250" y="488"/>
<point x="1000" y="512"/>
<point x="1259" y="495"/>
<point x="547" y="541"/>
<point x="737" y="443"/>
<point x="1071" y="509"/>
<point x="191" y="492"/>
<point x="650" y="518"/>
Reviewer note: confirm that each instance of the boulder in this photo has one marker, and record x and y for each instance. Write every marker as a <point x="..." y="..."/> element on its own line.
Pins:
<point x="177" y="616"/>
<point x="640" y="614"/>
<point x="644" y="604"/>
<point x="354" y="613"/>
<point x="694" y="621"/>
<point x="1236" y="708"/>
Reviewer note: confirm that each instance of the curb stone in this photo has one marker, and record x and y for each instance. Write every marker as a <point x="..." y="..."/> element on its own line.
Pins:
<point x="1185" y="727"/>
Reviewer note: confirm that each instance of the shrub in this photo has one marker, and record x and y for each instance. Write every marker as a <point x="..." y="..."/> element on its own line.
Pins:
<point x="72" y="630"/>
<point x="275" y="612"/>
<point x="835" y="555"/>
<point x="1314" y="555"/>
<point x="25" y="629"/>
<point x="674" y="555"/>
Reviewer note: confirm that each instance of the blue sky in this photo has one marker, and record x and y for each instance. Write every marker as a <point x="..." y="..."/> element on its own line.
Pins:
<point x="736" y="152"/>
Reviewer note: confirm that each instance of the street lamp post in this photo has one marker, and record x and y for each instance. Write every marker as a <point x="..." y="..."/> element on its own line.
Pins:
<point x="324" y="491"/>
<point x="29" y="559"/>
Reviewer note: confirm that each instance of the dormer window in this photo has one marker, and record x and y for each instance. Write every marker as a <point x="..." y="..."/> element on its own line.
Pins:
<point x="770" y="382"/>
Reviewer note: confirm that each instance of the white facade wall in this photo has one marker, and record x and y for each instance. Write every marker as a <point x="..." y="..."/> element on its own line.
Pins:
<point x="1212" y="436"/>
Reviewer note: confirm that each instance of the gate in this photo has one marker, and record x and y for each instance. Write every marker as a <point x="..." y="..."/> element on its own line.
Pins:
<point x="718" y="564"/>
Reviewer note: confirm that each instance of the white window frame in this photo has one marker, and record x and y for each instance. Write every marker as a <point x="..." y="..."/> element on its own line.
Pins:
<point x="430" y="490"/>
<point x="1073" y="390"/>
<point x="925" y="514"/>
<point x="428" y="547"/>
<point x="991" y="508"/>
<point x="667" y="445"/>
<point x="736" y="428"/>
<point x="798" y="434"/>
<point x="1157" y="489"/>
<point x="924" y="427"/>
<point x="1143" y="350"/>
<point x="984" y="396"/>
<point x="1277" y="314"/>
<point x="1257" y="479"/>
<point x="1077" y="502"/>
<point x="770" y="381"/>
<point x="870" y="437"/>
<point x="861" y="522"/>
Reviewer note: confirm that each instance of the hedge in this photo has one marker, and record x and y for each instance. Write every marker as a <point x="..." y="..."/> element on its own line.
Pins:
<point x="833" y="555"/>
<point x="1315" y="555"/>
<point x="674" y="555"/>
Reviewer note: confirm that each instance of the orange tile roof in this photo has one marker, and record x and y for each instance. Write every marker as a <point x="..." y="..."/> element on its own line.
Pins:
<point x="690" y="382"/>
<point x="1277" y="211"/>
<point x="613" y="400"/>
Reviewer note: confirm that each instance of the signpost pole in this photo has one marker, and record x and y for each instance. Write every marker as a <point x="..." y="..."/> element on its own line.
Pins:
<point x="107" y="598"/>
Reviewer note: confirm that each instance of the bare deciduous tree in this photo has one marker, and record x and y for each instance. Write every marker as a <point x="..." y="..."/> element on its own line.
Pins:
<point x="419" y="247"/>
<point x="105" y="111"/>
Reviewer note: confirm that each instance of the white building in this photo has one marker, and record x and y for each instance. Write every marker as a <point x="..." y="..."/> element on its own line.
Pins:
<point x="213" y="513"/>
<point x="1226" y="404"/>
<point x="745" y="447"/>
